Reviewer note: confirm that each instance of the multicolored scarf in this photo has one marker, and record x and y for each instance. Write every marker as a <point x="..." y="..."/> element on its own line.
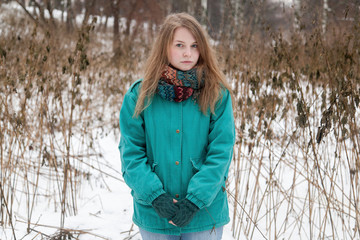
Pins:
<point x="177" y="86"/>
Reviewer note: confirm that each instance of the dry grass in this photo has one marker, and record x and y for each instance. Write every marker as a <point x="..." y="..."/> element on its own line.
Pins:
<point x="295" y="173"/>
<point x="295" y="169"/>
<point x="58" y="96"/>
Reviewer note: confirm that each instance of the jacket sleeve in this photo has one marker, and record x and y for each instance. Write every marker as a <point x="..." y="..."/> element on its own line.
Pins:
<point x="137" y="173"/>
<point x="206" y="184"/>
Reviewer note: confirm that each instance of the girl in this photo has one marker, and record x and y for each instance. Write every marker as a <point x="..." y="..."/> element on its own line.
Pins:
<point x="177" y="135"/>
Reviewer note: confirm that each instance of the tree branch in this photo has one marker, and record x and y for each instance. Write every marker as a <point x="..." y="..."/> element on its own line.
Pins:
<point x="30" y="15"/>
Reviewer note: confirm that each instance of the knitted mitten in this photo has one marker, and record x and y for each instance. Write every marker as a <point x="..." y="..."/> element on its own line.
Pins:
<point x="164" y="206"/>
<point x="185" y="213"/>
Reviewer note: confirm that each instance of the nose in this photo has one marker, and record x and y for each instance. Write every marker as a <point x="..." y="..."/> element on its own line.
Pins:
<point x="187" y="52"/>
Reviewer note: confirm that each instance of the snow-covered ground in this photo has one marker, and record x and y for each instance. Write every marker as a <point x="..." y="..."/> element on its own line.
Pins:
<point x="280" y="192"/>
<point x="104" y="208"/>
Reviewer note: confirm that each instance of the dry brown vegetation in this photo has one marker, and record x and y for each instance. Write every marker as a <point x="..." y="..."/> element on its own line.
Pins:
<point x="295" y="172"/>
<point x="58" y="96"/>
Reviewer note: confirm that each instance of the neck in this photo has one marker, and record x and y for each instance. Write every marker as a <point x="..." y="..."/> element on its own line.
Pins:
<point x="170" y="65"/>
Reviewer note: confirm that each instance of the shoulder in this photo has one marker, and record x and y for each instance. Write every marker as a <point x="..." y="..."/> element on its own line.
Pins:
<point x="134" y="88"/>
<point x="224" y="102"/>
<point x="224" y="95"/>
<point x="224" y="92"/>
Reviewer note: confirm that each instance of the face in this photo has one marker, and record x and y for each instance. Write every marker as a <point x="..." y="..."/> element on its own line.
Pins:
<point x="183" y="52"/>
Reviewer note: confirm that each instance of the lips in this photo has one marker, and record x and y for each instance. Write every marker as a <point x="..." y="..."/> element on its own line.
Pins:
<point x="186" y="62"/>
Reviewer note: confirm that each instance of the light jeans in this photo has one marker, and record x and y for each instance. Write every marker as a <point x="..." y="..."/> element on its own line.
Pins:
<point x="213" y="234"/>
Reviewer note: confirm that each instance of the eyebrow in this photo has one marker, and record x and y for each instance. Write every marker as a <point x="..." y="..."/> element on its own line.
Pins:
<point x="182" y="41"/>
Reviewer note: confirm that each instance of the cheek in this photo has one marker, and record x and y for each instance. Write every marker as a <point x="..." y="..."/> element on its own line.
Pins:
<point x="197" y="55"/>
<point x="174" y="55"/>
<point x="171" y="54"/>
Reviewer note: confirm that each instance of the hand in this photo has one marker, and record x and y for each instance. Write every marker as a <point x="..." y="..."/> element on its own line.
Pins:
<point x="171" y="222"/>
<point x="185" y="213"/>
<point x="165" y="206"/>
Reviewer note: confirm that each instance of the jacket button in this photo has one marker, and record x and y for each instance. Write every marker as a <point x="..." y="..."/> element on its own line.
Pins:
<point x="177" y="162"/>
<point x="177" y="195"/>
<point x="177" y="131"/>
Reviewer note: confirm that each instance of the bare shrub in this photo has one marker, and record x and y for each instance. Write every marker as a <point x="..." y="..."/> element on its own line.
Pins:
<point x="58" y="97"/>
<point x="295" y="169"/>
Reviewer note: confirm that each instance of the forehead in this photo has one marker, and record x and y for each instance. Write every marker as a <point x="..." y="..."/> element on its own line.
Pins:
<point x="183" y="34"/>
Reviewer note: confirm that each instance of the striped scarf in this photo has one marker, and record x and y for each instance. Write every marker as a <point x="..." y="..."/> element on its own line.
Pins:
<point x="177" y="86"/>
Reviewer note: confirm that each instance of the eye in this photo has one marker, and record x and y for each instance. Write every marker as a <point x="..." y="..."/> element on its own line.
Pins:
<point x="194" y="46"/>
<point x="179" y="45"/>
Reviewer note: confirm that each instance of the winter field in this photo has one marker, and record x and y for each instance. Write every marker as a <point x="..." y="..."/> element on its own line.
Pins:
<point x="295" y="169"/>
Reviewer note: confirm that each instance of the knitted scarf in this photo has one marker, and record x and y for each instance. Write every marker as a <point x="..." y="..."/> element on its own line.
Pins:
<point x="177" y="86"/>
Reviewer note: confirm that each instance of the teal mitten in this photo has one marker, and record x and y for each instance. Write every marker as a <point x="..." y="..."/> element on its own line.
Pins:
<point x="185" y="213"/>
<point x="164" y="206"/>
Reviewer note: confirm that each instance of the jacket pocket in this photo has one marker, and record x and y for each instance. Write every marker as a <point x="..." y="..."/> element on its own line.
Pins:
<point x="152" y="164"/>
<point x="133" y="193"/>
<point x="196" y="164"/>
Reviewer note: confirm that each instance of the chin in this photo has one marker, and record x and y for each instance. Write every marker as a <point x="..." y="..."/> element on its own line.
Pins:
<point x="182" y="67"/>
<point x="186" y="68"/>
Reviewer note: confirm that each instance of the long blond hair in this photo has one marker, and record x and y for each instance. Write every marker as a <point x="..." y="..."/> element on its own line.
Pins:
<point x="158" y="59"/>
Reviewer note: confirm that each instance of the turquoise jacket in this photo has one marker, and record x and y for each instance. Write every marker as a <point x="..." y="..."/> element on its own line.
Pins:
<point x="173" y="147"/>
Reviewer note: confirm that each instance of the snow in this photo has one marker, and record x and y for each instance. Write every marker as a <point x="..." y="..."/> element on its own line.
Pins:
<point x="104" y="208"/>
<point x="286" y="2"/>
<point x="273" y="198"/>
